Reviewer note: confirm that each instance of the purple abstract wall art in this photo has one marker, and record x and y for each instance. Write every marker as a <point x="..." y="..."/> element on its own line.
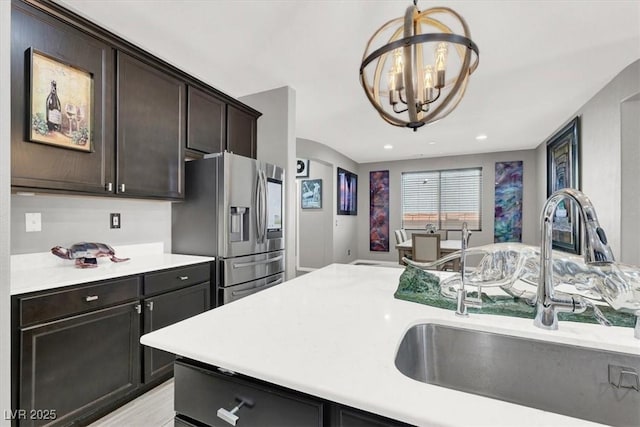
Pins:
<point x="508" y="202"/>
<point x="379" y="211"/>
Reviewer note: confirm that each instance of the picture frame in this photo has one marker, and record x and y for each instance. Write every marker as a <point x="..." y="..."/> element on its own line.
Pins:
<point x="302" y="168"/>
<point x="60" y="103"/>
<point x="563" y="172"/>
<point x="311" y="194"/>
<point x="347" y="183"/>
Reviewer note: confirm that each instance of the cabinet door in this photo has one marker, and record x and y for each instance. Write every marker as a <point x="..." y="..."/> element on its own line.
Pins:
<point x="201" y="392"/>
<point x="165" y="310"/>
<point x="241" y="132"/>
<point x="45" y="165"/>
<point x="349" y="417"/>
<point x="150" y="131"/>
<point x="206" y="122"/>
<point x="76" y="365"/>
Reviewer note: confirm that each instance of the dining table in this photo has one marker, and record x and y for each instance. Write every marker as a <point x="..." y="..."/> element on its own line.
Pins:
<point x="446" y="247"/>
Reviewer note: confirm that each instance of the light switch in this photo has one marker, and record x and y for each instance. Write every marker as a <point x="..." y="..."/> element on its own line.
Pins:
<point x="33" y="222"/>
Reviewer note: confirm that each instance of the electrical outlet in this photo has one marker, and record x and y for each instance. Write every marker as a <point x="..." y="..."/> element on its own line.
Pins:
<point x="33" y="222"/>
<point x="348" y="252"/>
<point x="115" y="220"/>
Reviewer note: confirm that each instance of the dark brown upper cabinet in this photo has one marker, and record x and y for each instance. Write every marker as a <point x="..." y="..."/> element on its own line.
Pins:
<point x="146" y="114"/>
<point x="150" y="130"/>
<point x="43" y="166"/>
<point x="206" y="122"/>
<point x="241" y="132"/>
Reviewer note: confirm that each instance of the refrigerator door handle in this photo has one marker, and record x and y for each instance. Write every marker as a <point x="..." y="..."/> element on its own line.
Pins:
<point x="264" y="206"/>
<point x="251" y="264"/>
<point x="276" y="282"/>
<point x="259" y="207"/>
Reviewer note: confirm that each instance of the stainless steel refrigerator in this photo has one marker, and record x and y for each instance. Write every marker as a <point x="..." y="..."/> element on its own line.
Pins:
<point x="233" y="210"/>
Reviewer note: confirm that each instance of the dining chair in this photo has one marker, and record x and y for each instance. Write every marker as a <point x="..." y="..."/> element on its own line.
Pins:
<point x="443" y="234"/>
<point x="403" y="232"/>
<point x="426" y="247"/>
<point x="399" y="238"/>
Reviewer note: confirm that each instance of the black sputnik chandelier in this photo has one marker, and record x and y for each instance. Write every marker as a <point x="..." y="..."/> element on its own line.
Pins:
<point x="420" y="73"/>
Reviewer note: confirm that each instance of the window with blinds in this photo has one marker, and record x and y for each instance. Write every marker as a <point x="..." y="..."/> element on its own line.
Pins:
<point x="445" y="198"/>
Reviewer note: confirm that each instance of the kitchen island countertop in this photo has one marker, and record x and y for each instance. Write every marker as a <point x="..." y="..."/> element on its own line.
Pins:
<point x="333" y="333"/>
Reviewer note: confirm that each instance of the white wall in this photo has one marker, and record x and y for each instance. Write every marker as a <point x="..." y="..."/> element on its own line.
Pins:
<point x="345" y="230"/>
<point x="600" y="152"/>
<point x="5" y="208"/>
<point x="315" y="226"/>
<point x="630" y="190"/>
<point x="67" y="220"/>
<point x="277" y="145"/>
<point x="486" y="161"/>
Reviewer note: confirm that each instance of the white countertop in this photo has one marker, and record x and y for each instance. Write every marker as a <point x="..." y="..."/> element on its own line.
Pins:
<point x="334" y="333"/>
<point x="44" y="271"/>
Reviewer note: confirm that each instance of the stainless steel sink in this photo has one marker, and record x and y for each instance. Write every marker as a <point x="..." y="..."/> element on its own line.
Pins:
<point x="595" y="385"/>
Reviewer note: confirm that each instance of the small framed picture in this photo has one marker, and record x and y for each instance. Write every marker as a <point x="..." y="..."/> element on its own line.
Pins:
<point x="302" y="168"/>
<point x="311" y="194"/>
<point x="60" y="107"/>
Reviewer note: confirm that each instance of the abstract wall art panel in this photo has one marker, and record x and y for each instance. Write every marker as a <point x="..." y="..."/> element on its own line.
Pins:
<point x="508" y="202"/>
<point x="379" y="211"/>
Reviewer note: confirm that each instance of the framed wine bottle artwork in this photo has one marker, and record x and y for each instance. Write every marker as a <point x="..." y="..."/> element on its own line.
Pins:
<point x="60" y="109"/>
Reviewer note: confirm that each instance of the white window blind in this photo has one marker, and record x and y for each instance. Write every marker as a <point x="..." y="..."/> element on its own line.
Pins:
<point x="445" y="198"/>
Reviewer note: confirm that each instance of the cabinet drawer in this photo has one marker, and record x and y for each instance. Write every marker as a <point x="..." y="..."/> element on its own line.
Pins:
<point x="199" y="393"/>
<point x="43" y="308"/>
<point x="166" y="280"/>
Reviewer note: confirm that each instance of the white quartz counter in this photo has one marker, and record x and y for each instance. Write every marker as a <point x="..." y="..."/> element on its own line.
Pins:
<point x="334" y="333"/>
<point x="43" y="271"/>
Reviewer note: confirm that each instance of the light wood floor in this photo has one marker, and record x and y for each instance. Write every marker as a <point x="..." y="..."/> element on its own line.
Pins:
<point x="152" y="409"/>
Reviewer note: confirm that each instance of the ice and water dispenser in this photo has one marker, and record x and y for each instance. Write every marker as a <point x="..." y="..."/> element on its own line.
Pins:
<point x="239" y="224"/>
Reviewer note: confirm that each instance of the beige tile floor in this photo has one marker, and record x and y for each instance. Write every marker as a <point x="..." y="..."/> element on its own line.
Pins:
<point x="152" y="409"/>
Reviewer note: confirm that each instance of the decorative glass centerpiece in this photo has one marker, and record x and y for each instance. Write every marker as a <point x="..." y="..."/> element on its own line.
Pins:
<point x="515" y="268"/>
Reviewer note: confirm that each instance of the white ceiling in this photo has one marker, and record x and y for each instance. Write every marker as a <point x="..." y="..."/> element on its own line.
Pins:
<point x="540" y="60"/>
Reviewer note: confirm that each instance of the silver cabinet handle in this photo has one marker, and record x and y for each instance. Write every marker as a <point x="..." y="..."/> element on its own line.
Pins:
<point x="138" y="308"/>
<point x="183" y="277"/>
<point x="122" y="188"/>
<point x="108" y="186"/>
<point x="91" y="298"/>
<point x="251" y="264"/>
<point x="230" y="416"/>
<point x="150" y="305"/>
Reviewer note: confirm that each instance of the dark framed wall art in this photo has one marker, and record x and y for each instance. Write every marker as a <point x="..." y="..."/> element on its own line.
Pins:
<point x="311" y="194"/>
<point x="347" y="192"/>
<point x="60" y="108"/>
<point x="563" y="163"/>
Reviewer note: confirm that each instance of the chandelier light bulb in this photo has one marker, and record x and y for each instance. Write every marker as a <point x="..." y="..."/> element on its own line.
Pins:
<point x="441" y="63"/>
<point x="428" y="57"/>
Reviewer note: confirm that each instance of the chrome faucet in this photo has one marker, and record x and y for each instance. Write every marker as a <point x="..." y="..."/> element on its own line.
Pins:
<point x="461" y="295"/>
<point x="596" y="252"/>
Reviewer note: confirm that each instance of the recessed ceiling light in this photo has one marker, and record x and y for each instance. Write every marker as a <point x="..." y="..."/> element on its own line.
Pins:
<point x="432" y="143"/>
<point x="388" y="147"/>
<point x="481" y="137"/>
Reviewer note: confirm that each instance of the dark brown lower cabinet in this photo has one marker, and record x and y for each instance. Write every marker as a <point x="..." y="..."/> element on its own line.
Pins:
<point x="76" y="351"/>
<point x="164" y="310"/>
<point x="206" y="396"/>
<point x="74" y="365"/>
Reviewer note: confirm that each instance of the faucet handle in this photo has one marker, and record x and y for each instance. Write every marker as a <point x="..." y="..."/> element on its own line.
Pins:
<point x="596" y="311"/>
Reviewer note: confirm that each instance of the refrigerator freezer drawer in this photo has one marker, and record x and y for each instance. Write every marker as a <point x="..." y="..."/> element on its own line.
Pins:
<point x="232" y="293"/>
<point x="243" y="269"/>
